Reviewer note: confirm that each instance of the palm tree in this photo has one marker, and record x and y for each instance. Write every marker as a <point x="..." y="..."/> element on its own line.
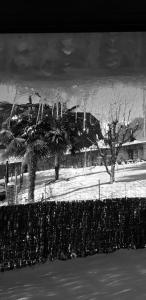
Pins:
<point x="65" y="134"/>
<point x="32" y="138"/>
<point x="57" y="143"/>
<point x="24" y="139"/>
<point x="68" y="133"/>
<point x="25" y="136"/>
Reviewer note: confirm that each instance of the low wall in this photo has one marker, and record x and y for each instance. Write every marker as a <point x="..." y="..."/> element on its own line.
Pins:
<point x="37" y="232"/>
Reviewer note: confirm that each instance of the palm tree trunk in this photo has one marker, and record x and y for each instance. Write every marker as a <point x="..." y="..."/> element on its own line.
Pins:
<point x="57" y="165"/>
<point x="7" y="171"/>
<point x="32" y="167"/>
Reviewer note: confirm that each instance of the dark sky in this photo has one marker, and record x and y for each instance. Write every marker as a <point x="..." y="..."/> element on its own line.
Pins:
<point x="72" y="55"/>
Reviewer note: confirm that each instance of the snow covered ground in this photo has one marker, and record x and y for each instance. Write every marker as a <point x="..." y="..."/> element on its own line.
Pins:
<point x="83" y="184"/>
<point x="117" y="276"/>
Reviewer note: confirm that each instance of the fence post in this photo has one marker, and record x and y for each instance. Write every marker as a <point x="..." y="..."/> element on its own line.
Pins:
<point x="99" y="189"/>
<point x="125" y="190"/>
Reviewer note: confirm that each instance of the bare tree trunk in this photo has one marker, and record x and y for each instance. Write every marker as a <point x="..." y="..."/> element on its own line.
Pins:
<point x="57" y="165"/>
<point x="32" y="167"/>
<point x="112" y="173"/>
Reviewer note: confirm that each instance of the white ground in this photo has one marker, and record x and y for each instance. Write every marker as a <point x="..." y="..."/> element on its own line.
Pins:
<point x="83" y="184"/>
<point x="117" y="276"/>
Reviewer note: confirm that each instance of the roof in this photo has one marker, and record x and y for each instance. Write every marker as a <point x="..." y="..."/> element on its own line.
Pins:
<point x="101" y="145"/>
<point x="136" y="142"/>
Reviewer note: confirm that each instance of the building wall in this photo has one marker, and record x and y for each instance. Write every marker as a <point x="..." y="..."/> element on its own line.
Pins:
<point x="139" y="152"/>
<point x="123" y="155"/>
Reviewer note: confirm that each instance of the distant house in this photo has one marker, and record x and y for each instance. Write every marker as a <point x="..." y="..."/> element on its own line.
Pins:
<point x="134" y="150"/>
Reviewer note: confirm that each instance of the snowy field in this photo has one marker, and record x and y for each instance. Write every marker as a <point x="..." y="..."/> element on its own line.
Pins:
<point x="117" y="276"/>
<point x="83" y="184"/>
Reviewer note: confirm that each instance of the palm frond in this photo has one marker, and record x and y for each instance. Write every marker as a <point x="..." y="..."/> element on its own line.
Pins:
<point x="6" y="137"/>
<point x="16" y="147"/>
<point x="40" y="147"/>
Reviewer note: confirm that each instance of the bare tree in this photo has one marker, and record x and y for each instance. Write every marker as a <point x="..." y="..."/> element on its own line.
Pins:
<point x="118" y="130"/>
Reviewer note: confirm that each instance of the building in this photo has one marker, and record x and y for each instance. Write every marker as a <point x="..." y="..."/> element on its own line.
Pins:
<point x="135" y="150"/>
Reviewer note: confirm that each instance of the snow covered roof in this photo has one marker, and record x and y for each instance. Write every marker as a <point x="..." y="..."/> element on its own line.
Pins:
<point x="136" y="142"/>
<point x="103" y="146"/>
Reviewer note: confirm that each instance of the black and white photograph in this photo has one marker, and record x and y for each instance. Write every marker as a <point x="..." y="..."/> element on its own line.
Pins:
<point x="73" y="165"/>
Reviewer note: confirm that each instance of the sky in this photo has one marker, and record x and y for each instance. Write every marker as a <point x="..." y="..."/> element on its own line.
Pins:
<point x="94" y="97"/>
<point x="81" y="68"/>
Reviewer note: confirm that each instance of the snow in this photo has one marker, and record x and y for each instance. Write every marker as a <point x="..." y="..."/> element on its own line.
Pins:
<point x="83" y="184"/>
<point x="135" y="142"/>
<point x="117" y="276"/>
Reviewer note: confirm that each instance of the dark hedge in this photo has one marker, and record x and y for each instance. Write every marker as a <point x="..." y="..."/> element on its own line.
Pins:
<point x="33" y="233"/>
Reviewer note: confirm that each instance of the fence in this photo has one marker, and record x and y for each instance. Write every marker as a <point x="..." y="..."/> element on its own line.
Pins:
<point x="33" y="233"/>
